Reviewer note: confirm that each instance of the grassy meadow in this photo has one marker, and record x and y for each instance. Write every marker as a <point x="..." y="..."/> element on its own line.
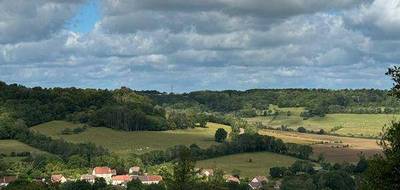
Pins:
<point x="8" y="146"/>
<point x="367" y="125"/>
<point x="260" y="164"/>
<point x="138" y="142"/>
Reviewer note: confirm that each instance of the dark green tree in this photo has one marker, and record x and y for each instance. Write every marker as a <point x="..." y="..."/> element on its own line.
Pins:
<point x="76" y="185"/>
<point x="26" y="185"/>
<point x="384" y="171"/>
<point x="276" y="172"/>
<point x="220" y="135"/>
<point x="135" y="184"/>
<point x="99" y="183"/>
<point x="184" y="176"/>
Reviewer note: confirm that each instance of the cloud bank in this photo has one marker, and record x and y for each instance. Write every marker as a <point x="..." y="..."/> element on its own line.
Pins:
<point x="202" y="44"/>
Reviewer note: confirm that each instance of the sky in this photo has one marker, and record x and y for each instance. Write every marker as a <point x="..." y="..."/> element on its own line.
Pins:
<point x="199" y="44"/>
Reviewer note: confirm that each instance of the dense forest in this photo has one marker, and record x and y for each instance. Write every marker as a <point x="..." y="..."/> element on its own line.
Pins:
<point x="315" y="100"/>
<point x="120" y="109"/>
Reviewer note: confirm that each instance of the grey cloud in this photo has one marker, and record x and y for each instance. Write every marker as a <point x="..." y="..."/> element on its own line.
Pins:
<point x="217" y="45"/>
<point x="22" y="20"/>
<point x="207" y="16"/>
<point x="379" y="19"/>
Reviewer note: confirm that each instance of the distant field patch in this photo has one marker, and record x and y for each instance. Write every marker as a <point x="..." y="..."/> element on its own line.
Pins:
<point x="138" y="142"/>
<point x="260" y="163"/>
<point x="369" y="125"/>
<point x="8" y="146"/>
<point x="335" y="148"/>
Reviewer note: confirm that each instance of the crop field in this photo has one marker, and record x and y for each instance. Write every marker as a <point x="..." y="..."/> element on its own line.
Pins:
<point x="334" y="148"/>
<point x="260" y="163"/>
<point x="366" y="125"/>
<point x="8" y="146"/>
<point x="138" y="142"/>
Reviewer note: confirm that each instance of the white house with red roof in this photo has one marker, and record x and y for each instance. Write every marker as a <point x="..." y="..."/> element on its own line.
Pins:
<point x="150" y="179"/>
<point x="120" y="179"/>
<point x="104" y="172"/>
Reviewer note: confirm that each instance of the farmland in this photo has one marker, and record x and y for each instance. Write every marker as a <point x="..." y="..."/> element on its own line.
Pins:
<point x="138" y="142"/>
<point x="259" y="165"/>
<point x="334" y="148"/>
<point x="8" y="146"/>
<point x="365" y="125"/>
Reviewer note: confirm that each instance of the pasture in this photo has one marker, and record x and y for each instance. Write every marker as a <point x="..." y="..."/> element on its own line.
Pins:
<point x="260" y="163"/>
<point x="8" y="146"/>
<point x="365" y="125"/>
<point x="334" y="148"/>
<point x="138" y="142"/>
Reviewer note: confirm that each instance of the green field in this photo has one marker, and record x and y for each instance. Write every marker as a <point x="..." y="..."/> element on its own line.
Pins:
<point x="124" y="143"/>
<point x="261" y="162"/>
<point x="8" y="146"/>
<point x="351" y="124"/>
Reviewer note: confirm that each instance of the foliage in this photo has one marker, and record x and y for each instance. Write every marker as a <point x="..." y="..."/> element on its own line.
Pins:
<point x="118" y="109"/>
<point x="242" y="143"/>
<point x="317" y="101"/>
<point x="277" y="172"/>
<point x="26" y="185"/>
<point x="381" y="167"/>
<point x="220" y="135"/>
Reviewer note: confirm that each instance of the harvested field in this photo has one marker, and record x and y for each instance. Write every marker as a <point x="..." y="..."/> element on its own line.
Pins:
<point x="334" y="148"/>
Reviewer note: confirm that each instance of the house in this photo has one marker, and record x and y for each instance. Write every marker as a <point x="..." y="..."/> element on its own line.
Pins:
<point x="88" y="178"/>
<point x="104" y="172"/>
<point x="206" y="172"/>
<point x="232" y="179"/>
<point x="120" y="179"/>
<point x="150" y="179"/>
<point x="258" y="182"/>
<point x="58" y="178"/>
<point x="135" y="170"/>
<point x="4" y="181"/>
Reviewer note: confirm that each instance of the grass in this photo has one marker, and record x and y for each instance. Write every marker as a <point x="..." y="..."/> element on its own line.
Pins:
<point x="369" y="125"/>
<point x="8" y="146"/>
<point x="260" y="165"/>
<point x="124" y="143"/>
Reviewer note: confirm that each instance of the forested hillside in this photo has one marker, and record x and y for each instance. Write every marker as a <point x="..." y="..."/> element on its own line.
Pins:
<point x="330" y="101"/>
<point x="119" y="109"/>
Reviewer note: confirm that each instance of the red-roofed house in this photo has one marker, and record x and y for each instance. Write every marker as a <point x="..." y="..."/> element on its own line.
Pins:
<point x="121" y="179"/>
<point x="232" y="179"/>
<point x="4" y="181"/>
<point x="58" y="178"/>
<point x="150" y="179"/>
<point x="104" y="172"/>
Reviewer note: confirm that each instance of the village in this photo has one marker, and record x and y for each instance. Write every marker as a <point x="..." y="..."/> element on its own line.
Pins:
<point x="135" y="173"/>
